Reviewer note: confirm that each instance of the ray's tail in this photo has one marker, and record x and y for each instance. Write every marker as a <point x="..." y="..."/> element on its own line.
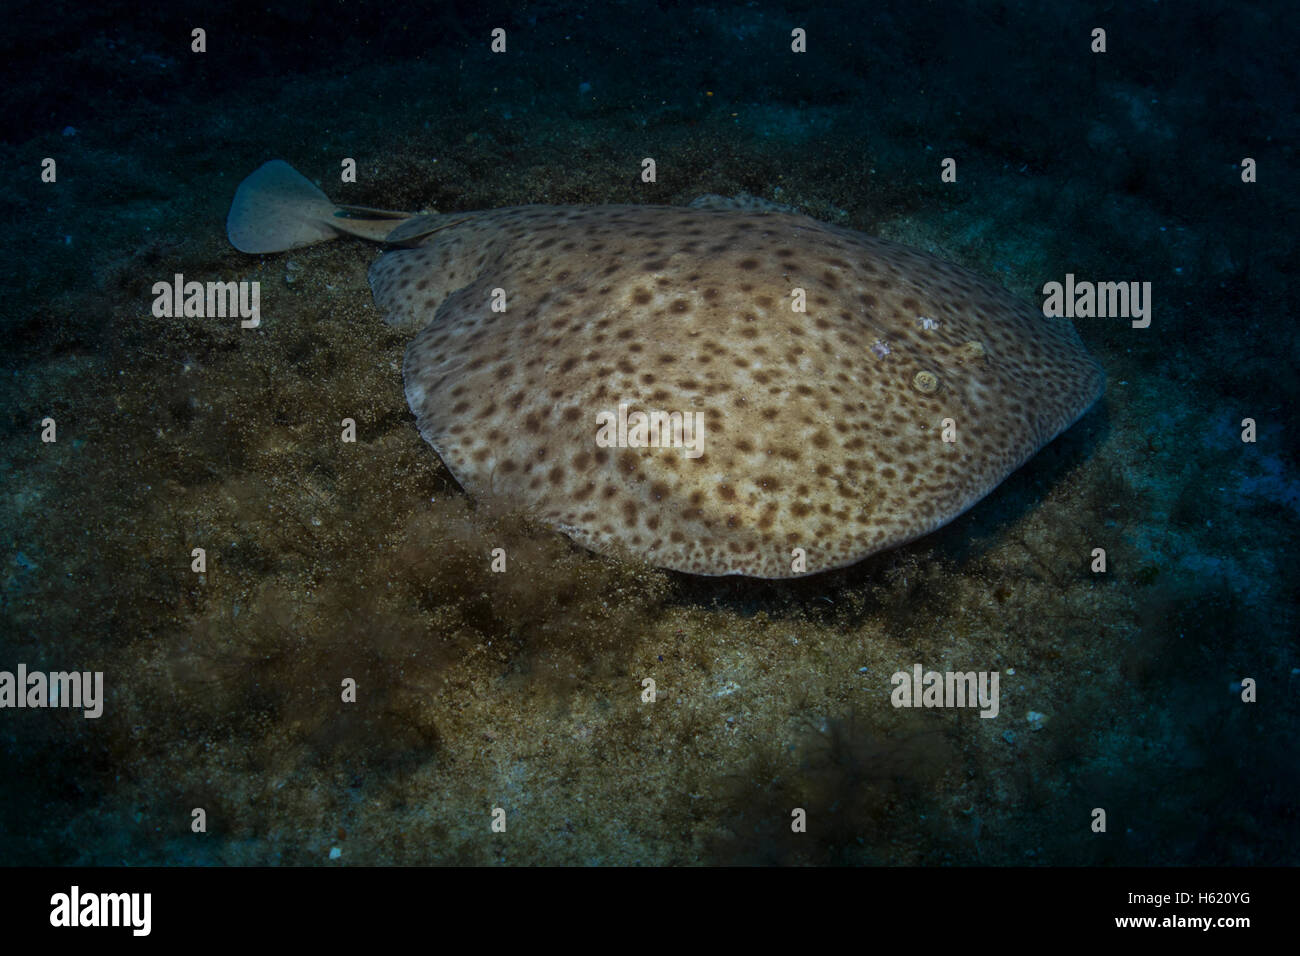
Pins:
<point x="277" y="208"/>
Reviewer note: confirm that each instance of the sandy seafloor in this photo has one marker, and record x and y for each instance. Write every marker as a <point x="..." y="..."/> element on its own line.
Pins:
<point x="522" y="690"/>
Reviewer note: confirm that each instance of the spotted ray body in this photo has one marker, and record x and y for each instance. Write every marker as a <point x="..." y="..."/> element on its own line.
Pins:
<point x="823" y="430"/>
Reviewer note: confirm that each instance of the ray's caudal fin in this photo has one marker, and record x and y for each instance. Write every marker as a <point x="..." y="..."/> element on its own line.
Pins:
<point x="277" y="208"/>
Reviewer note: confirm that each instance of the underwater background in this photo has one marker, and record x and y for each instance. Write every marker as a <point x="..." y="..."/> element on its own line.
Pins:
<point x="478" y="690"/>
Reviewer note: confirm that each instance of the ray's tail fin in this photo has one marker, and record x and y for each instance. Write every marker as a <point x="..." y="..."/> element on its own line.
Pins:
<point x="277" y="208"/>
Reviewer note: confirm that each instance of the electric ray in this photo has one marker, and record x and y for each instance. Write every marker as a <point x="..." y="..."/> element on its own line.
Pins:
<point x="905" y="390"/>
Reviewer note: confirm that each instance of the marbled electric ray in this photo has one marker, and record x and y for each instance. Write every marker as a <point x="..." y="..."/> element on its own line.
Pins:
<point x="821" y="430"/>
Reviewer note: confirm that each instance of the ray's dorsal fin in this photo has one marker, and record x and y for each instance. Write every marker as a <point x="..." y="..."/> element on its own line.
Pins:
<point x="416" y="228"/>
<point x="277" y="208"/>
